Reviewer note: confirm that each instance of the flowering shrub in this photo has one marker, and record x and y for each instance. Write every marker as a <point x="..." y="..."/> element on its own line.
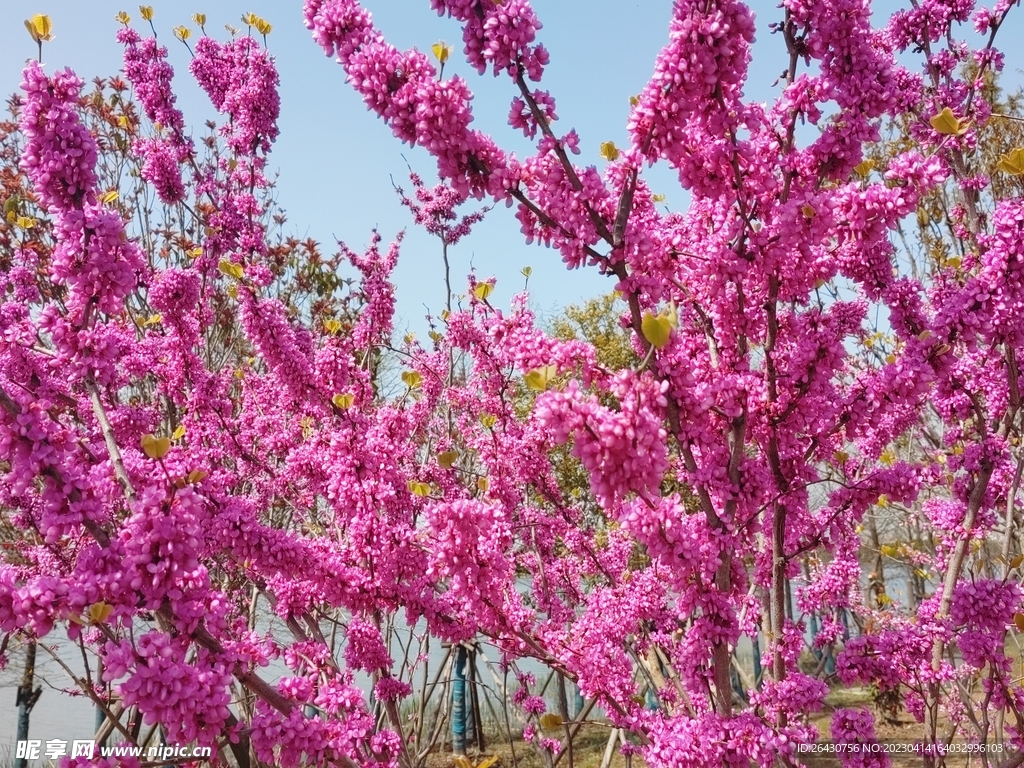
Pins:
<point x="168" y="479"/>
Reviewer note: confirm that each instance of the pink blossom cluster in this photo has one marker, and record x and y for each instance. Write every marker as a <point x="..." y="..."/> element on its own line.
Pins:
<point x="189" y="698"/>
<point x="92" y="256"/>
<point x="146" y="67"/>
<point x="623" y="450"/>
<point x="241" y="80"/>
<point x="856" y="728"/>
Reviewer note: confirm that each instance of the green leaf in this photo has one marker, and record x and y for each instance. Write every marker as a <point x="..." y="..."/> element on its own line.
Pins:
<point x="657" y="329"/>
<point x="343" y="401"/>
<point x="416" y="488"/>
<point x="441" y="50"/>
<point x="540" y="379"/>
<point x="155" y="447"/>
<point x="609" y="151"/>
<point x="231" y="269"/>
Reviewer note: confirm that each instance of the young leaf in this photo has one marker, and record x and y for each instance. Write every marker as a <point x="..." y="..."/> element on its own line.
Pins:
<point x="447" y="459"/>
<point x="155" y="447"/>
<point x="231" y="269"/>
<point x="178" y="433"/>
<point x="657" y="329"/>
<point x="549" y="721"/>
<point x="539" y="379"/>
<point x="344" y="401"/>
<point x="864" y="168"/>
<point x="412" y="379"/>
<point x="442" y="51"/>
<point x="1012" y="162"/>
<point x="609" y="151"/>
<point x="416" y="488"/>
<point x="947" y="123"/>
<point x="483" y="290"/>
<point x="100" y="612"/>
<point x="40" y="28"/>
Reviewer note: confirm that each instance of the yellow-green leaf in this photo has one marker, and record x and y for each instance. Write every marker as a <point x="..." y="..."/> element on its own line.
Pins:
<point x="483" y="484"/>
<point x="947" y="123"/>
<point x="540" y="378"/>
<point x="231" y="269"/>
<point x="178" y="433"/>
<point x="609" y="151"/>
<point x="197" y="476"/>
<point x="332" y="326"/>
<point x="25" y="222"/>
<point x="109" y="197"/>
<point x="1012" y="162"/>
<point x="100" y="612"/>
<point x="123" y="17"/>
<point x="344" y="401"/>
<point x="526" y="271"/>
<point x="146" y="11"/>
<point x="483" y="290"/>
<point x="262" y="25"/>
<point x="1016" y="561"/>
<point x="657" y="329"/>
<point x="40" y="27"/>
<point x="549" y="721"/>
<point x="489" y="420"/>
<point x="442" y="51"/>
<point x="412" y="379"/>
<point x="155" y="447"/>
<point x="416" y="488"/>
<point x="1018" y="621"/>
<point x="447" y="459"/>
<point x="864" y="168"/>
<point x="183" y="33"/>
<point x="153" y="319"/>
<point x="199" y="18"/>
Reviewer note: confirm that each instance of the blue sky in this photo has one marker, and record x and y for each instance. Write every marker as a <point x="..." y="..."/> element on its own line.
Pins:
<point x="336" y="159"/>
